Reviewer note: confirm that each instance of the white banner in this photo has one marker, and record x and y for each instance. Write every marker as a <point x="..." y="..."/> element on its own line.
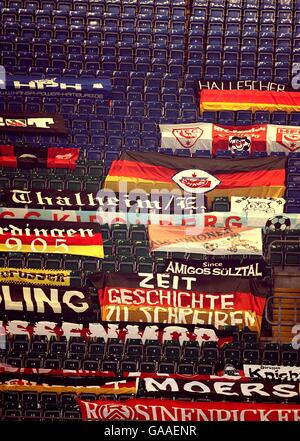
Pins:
<point x="272" y="373"/>
<point x="231" y="219"/>
<point x="257" y="206"/>
<point x="211" y="241"/>
<point x="213" y="137"/>
<point x="187" y="136"/>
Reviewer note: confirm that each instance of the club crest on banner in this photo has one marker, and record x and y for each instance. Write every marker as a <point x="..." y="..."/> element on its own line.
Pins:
<point x="116" y="412"/>
<point x="289" y="138"/>
<point x="195" y="181"/>
<point x="239" y="144"/>
<point x="187" y="137"/>
<point x="16" y="122"/>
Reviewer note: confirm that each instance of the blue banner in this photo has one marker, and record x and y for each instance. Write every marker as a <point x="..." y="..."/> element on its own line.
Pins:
<point x="63" y="85"/>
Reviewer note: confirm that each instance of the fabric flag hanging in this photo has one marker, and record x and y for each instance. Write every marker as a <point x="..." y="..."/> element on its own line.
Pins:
<point x="121" y="331"/>
<point x="62" y="85"/>
<point x="34" y="276"/>
<point x="254" y="100"/>
<point x="260" y="177"/>
<point x="243" y="85"/>
<point x="50" y="237"/>
<point x="257" y="206"/>
<point x="66" y="385"/>
<point x="50" y="302"/>
<point x="36" y="157"/>
<point x="169" y="410"/>
<point x="168" y="298"/>
<point x="214" y="137"/>
<point x="207" y="240"/>
<point x="40" y="123"/>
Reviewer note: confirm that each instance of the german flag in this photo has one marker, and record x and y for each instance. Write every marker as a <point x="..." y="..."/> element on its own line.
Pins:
<point x="260" y="177"/>
<point x="30" y="236"/>
<point x="254" y="100"/>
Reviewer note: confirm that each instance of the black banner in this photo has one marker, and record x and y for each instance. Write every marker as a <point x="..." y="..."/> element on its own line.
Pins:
<point x="243" y="85"/>
<point x="40" y="123"/>
<point x="107" y="200"/>
<point x="93" y="86"/>
<point x="70" y="303"/>
<point x="219" y="390"/>
<point x="217" y="267"/>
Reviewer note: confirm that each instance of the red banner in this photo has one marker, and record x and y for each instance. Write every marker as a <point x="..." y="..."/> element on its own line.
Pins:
<point x="169" y="410"/>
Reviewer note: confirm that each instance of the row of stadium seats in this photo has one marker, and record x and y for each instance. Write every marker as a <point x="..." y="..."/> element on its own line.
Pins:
<point x="274" y="68"/>
<point x="151" y="356"/>
<point x="133" y="7"/>
<point x="163" y="10"/>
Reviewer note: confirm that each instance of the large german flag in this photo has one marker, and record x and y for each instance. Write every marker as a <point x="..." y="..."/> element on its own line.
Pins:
<point x="260" y="177"/>
<point x="269" y="101"/>
<point x="168" y="298"/>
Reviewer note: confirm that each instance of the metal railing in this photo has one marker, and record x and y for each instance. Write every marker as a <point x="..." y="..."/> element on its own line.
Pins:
<point x="269" y="310"/>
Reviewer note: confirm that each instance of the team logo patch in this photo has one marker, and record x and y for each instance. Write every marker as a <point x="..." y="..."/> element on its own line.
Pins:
<point x="288" y="138"/>
<point x="195" y="181"/>
<point x="188" y="137"/>
<point x="116" y="412"/>
<point x="66" y="156"/>
<point x="278" y="223"/>
<point x="16" y="122"/>
<point x="239" y="144"/>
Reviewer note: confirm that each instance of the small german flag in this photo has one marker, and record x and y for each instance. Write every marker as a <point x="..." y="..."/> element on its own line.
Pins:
<point x="30" y="236"/>
<point x="254" y="100"/>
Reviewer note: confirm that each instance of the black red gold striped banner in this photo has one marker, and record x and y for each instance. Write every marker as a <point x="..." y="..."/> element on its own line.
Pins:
<point x="254" y="100"/>
<point x="49" y="237"/>
<point x="168" y="298"/>
<point x="260" y="177"/>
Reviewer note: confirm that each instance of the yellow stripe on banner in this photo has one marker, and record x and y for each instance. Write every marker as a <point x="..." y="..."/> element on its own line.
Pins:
<point x="219" y="106"/>
<point x="87" y="250"/>
<point x="75" y="389"/>
<point x="182" y="316"/>
<point x="148" y="186"/>
<point x="33" y="276"/>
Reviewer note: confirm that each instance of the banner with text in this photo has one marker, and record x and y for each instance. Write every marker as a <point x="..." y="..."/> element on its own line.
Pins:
<point x="272" y="372"/>
<point x="216" y="390"/>
<point x="242" y="85"/>
<point x="121" y="331"/>
<point x="209" y="240"/>
<point x="135" y="204"/>
<point x="168" y="298"/>
<point x="61" y="85"/>
<point x="259" y="219"/>
<point x="70" y="303"/>
<point x="39" y="123"/>
<point x="47" y="237"/>
<point x="170" y="410"/>
<point x="217" y="267"/>
<point x="34" y="276"/>
<point x="214" y="137"/>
